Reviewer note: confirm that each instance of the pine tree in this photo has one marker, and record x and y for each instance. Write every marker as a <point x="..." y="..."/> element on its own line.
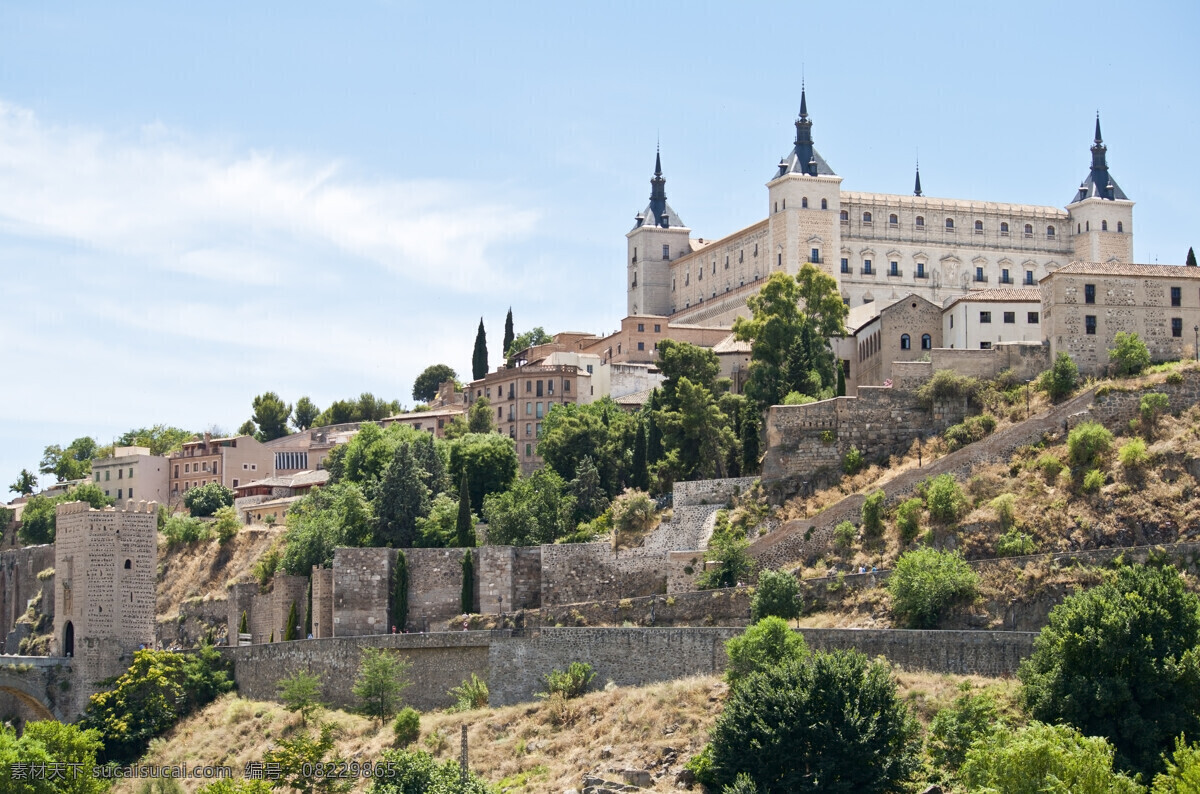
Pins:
<point x="400" y="591"/>
<point x="464" y="527"/>
<point x="508" y="333"/>
<point x="1191" y="257"/>
<point x="468" y="584"/>
<point x="479" y="359"/>
<point x="403" y="498"/>
<point x="640" y="474"/>
<point x="289" y="631"/>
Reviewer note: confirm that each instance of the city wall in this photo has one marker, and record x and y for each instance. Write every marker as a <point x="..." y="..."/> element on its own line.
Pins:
<point x="19" y="586"/>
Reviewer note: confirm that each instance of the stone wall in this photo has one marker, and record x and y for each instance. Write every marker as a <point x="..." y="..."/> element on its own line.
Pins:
<point x="361" y="587"/>
<point x="435" y="580"/>
<point x="322" y="602"/>
<point x="709" y="492"/>
<point x="803" y="440"/>
<point x="574" y="572"/>
<point x="689" y="528"/>
<point x="1027" y="360"/>
<point x="19" y="585"/>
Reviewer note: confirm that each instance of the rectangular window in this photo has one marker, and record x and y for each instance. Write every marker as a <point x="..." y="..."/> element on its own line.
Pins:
<point x="549" y="387"/>
<point x="985" y="345"/>
<point x="1010" y="317"/>
<point x="1177" y="327"/>
<point x="985" y="317"/>
<point x="866" y="265"/>
<point x="641" y="327"/>
<point x="539" y="388"/>
<point x="1004" y="279"/>
<point x="845" y="265"/>
<point x="1089" y="293"/>
<point x="98" y="474"/>
<point x="235" y="483"/>
<point x="657" y="330"/>
<point x="589" y="369"/>
<point x="920" y="270"/>
<point x="814" y="256"/>
<point x="120" y="474"/>
<point x="120" y="493"/>
<point x="666" y="252"/>
<point x="176" y="473"/>
<point x="779" y="259"/>
<point x="1176" y="296"/>
<point x="567" y="385"/>
<point x="979" y="274"/>
<point x="130" y="493"/>
<point x="1089" y="324"/>
<point x="529" y="428"/>
<point x="538" y="429"/>
<point x="1029" y="277"/>
<point x="529" y="409"/>
<point x="130" y="471"/>
<point x="1032" y="318"/>
<point x="538" y="412"/>
<point x="895" y="267"/>
<point x="528" y="450"/>
<point x="952" y="321"/>
<point x="187" y="469"/>
<point x="641" y="345"/>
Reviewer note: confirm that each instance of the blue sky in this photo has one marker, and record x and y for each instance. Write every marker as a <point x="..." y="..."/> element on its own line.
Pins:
<point x="201" y="204"/>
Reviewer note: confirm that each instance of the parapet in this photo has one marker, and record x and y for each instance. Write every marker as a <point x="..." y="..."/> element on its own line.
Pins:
<point x="67" y="508"/>
<point x="140" y="507"/>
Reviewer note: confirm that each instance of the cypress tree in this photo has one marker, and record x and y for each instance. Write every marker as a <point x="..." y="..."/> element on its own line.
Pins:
<point x="479" y="359"/>
<point x="308" y="612"/>
<point x="464" y="527"/>
<point x="509" y="336"/>
<point x="640" y="475"/>
<point x="244" y="626"/>
<point x="1191" y="257"/>
<point x="654" y="448"/>
<point x="403" y="498"/>
<point x="750" y="438"/>
<point x="841" y="386"/>
<point x="468" y="583"/>
<point x="400" y="591"/>
<point x="289" y="631"/>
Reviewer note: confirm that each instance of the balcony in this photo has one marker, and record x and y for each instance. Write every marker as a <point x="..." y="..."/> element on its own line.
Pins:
<point x="1005" y="280"/>
<point x="921" y="274"/>
<point x="980" y="278"/>
<point x="895" y="273"/>
<point x="867" y="271"/>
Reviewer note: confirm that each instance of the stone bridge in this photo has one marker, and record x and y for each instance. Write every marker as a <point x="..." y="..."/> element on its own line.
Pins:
<point x="41" y="684"/>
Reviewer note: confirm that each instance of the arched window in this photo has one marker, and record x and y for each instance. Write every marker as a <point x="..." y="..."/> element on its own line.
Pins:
<point x="979" y="226"/>
<point x="1120" y="227"/>
<point x="68" y="639"/>
<point x="866" y="217"/>
<point x="920" y="220"/>
<point x="128" y="565"/>
<point x="905" y="342"/>
<point x="893" y="219"/>
<point x="1049" y="231"/>
<point x="844" y="215"/>
<point x="824" y="204"/>
<point x="1004" y="228"/>
<point x="949" y="223"/>
<point x="1103" y="226"/>
<point x="926" y="342"/>
<point x="1029" y="230"/>
<point x="804" y="203"/>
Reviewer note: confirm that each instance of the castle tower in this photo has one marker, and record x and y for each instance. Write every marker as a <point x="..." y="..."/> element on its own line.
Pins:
<point x="1101" y="213"/>
<point x="803" y="205"/>
<point x="657" y="238"/>
<point x="105" y="567"/>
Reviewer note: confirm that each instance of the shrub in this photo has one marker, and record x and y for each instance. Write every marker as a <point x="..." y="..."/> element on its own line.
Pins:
<point x="945" y="499"/>
<point x="569" y="683"/>
<point x="872" y="513"/>
<point x="1087" y="444"/>
<point x="946" y="384"/>
<point x="908" y="518"/>
<point x="1015" y="543"/>
<point x="1093" y="481"/>
<point x="406" y="728"/>
<point x="956" y="727"/>
<point x="728" y="547"/>
<point x="207" y="499"/>
<point x="472" y="693"/>
<point x="1129" y="354"/>
<point x="227" y="525"/>
<point x="777" y="594"/>
<point x="1061" y="379"/>
<point x="812" y="725"/>
<point x="1183" y="770"/>
<point x="1151" y="408"/>
<point x="1050" y="466"/>
<point x="1119" y="660"/>
<point x="1175" y="378"/>
<point x="180" y="530"/>
<point x="969" y="430"/>
<point x="633" y="511"/>
<point x="1005" y="506"/>
<point x="844" y="534"/>
<point x="796" y="398"/>
<point x="418" y="772"/>
<point x="766" y="644"/>
<point x="854" y="461"/>
<point x="700" y="765"/>
<point x="1133" y="454"/>
<point x="1039" y="758"/>
<point x="927" y="583"/>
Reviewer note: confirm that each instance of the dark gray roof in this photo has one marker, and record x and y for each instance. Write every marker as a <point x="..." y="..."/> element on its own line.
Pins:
<point x="803" y="158"/>
<point x="1099" y="183"/>
<point x="658" y="212"/>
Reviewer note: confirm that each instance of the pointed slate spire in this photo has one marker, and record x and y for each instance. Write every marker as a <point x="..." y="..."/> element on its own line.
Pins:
<point x="1099" y="138"/>
<point x="803" y="158"/>
<point x="917" y="186"/>
<point x="803" y="102"/>
<point x="658" y="193"/>
<point x="1099" y="183"/>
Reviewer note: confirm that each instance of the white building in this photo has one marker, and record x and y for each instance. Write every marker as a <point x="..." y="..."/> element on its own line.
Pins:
<point x="132" y="473"/>
<point x="980" y="320"/>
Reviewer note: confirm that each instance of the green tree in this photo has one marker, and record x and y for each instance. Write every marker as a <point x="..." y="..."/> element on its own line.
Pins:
<point x="1182" y="775"/>
<point x="26" y="483"/>
<point x="955" y="728"/>
<point x="464" y="526"/>
<point x="1152" y="407"/>
<point x="247" y="428"/>
<point x="776" y="594"/>
<point x="488" y="459"/>
<point x="479" y="358"/>
<point x="1088" y="444"/>
<point x="829" y="723"/>
<point x="698" y="433"/>
<point x="766" y="644"/>
<point x="678" y="360"/>
<point x="50" y="742"/>
<point x="573" y="432"/>
<point x="1120" y="660"/>
<point x="324" y="519"/>
<point x="399" y="610"/>
<point x="297" y="756"/>
<point x="1042" y="758"/>
<point x="479" y="417"/>
<point x="534" y="510"/>
<point x="301" y="692"/>
<point x="908" y="518"/>
<point x="226" y="524"/>
<point x="244" y="626"/>
<point x="417" y="772"/>
<point x="425" y="387"/>
<point x="654" y="447"/>
<point x="271" y="414"/>
<point x="305" y="414"/>
<point x="289" y="631"/>
<point x="751" y="426"/>
<point x="729" y="548"/>
<point x="406" y="728"/>
<point x="872" y="513"/>
<point x="467" y="600"/>
<point x="509" y="336"/>
<point x="382" y="677"/>
<point x="1061" y="380"/>
<point x="527" y="340"/>
<point x="402" y="499"/>
<point x="1129" y="354"/>
<point x="945" y="499"/>
<point x="639" y="472"/>
<point x="927" y="583"/>
<point x="587" y="491"/>
<point x="38" y="522"/>
<point x="207" y="499"/>
<point x="160" y="439"/>
<point x="72" y="463"/>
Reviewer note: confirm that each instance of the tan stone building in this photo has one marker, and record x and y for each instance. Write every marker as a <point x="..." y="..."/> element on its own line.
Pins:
<point x="880" y="333"/>
<point x="307" y="449"/>
<point x="228" y="461"/>
<point x="1085" y="304"/>
<point x="132" y="473"/>
<point x="877" y="246"/>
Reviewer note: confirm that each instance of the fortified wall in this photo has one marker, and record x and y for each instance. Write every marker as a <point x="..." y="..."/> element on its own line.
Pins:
<point x="26" y="578"/>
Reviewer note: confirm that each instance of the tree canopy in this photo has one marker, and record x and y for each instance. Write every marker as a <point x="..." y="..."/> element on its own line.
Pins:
<point x="271" y="414"/>
<point x="72" y="463"/>
<point x="489" y="461"/>
<point x="25" y="484"/>
<point x="425" y="387"/>
<point x="305" y="414"/>
<point x="161" y="439"/>
<point x="537" y="336"/>
<point x="367" y="408"/>
<point x="533" y="510"/>
<point x="479" y="356"/>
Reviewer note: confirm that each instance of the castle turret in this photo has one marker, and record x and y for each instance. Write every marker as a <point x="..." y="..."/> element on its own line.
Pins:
<point x="804" y="201"/>
<point x="658" y="237"/>
<point x="1101" y="213"/>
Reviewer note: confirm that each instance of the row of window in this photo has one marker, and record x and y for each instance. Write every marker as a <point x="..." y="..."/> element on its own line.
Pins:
<point x="1087" y="227"/>
<point x="906" y="342"/>
<point x="1089" y="326"/>
<point x="1089" y="294"/>
<point x="289" y="461"/>
<point x="1009" y="318"/>
<point x="120" y="494"/>
<point x="868" y="269"/>
<point x="657" y="328"/>
<point x="120" y="474"/>
<point x="538" y="388"/>
<point x="919" y="222"/>
<point x="803" y="204"/>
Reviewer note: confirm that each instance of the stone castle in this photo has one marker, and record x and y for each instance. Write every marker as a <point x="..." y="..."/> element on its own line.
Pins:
<point x="877" y="246"/>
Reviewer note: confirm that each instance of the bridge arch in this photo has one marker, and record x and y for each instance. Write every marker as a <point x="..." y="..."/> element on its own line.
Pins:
<point x="36" y="706"/>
